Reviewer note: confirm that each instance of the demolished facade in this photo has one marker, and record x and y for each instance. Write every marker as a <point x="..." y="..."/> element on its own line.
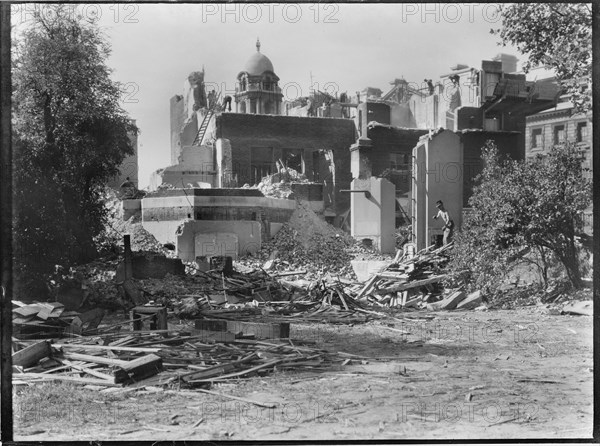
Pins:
<point x="398" y="136"/>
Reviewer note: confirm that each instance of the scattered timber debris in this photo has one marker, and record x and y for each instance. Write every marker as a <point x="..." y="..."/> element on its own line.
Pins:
<point x="407" y="282"/>
<point x="48" y="319"/>
<point x="173" y="358"/>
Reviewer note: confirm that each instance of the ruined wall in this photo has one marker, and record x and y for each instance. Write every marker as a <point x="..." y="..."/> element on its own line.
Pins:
<point x="177" y="118"/>
<point x="257" y="141"/>
<point x="163" y="211"/>
<point x="392" y="150"/>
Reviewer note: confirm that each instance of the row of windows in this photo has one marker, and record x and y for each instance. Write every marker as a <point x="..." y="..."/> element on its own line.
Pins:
<point x="559" y="134"/>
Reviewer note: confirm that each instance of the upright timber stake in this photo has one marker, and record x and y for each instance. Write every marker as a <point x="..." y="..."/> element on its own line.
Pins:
<point x="128" y="255"/>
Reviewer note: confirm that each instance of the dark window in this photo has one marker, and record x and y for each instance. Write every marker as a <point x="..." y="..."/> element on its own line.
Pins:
<point x="559" y="134"/>
<point x="536" y="138"/>
<point x="293" y="158"/>
<point x="582" y="132"/>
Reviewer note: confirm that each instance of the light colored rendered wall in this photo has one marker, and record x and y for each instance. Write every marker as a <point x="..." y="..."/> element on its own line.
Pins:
<point x="248" y="235"/>
<point x="439" y="176"/>
<point x="374" y="217"/>
<point x="163" y="231"/>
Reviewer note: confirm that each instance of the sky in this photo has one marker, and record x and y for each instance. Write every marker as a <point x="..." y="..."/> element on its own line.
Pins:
<point x="341" y="47"/>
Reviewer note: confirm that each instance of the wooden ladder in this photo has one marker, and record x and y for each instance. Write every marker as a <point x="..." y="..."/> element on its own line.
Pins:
<point x="204" y="125"/>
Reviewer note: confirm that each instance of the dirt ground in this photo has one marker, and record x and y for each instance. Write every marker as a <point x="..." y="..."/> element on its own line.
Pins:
<point x="445" y="375"/>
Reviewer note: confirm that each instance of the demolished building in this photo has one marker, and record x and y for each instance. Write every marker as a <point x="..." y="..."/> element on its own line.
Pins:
<point x="423" y="139"/>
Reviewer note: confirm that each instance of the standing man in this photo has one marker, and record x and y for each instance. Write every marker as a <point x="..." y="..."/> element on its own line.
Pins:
<point x="448" y="222"/>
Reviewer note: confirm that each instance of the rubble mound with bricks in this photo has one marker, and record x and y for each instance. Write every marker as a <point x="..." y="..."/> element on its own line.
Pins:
<point x="115" y="228"/>
<point x="306" y="242"/>
<point x="279" y="185"/>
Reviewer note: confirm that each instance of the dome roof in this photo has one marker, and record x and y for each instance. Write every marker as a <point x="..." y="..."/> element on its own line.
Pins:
<point x="258" y="63"/>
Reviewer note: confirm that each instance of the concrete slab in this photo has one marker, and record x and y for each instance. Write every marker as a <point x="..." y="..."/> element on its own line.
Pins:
<point x="364" y="269"/>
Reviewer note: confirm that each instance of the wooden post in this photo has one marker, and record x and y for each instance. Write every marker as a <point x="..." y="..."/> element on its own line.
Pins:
<point x="128" y="261"/>
<point x="6" y="230"/>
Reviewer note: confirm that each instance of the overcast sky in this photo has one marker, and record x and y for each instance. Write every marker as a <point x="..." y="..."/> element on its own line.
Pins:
<point x="345" y="46"/>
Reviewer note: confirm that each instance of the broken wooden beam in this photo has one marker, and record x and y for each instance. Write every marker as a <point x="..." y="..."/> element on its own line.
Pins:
<point x="139" y="368"/>
<point x="31" y="355"/>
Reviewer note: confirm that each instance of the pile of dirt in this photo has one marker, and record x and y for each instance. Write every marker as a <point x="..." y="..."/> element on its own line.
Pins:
<point x="308" y="243"/>
<point x="115" y="228"/>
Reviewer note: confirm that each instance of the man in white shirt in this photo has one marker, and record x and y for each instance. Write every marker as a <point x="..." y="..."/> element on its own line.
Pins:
<point x="448" y="222"/>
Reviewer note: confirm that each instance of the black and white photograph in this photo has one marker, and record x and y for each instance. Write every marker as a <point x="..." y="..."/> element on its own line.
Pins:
<point x="297" y="222"/>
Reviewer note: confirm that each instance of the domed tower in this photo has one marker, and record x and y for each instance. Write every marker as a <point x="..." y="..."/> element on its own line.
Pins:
<point x="257" y="90"/>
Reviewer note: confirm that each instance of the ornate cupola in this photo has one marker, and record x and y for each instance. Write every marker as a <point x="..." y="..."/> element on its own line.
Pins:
<point x="257" y="88"/>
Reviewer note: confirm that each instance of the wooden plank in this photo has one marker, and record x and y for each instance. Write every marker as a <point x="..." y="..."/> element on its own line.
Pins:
<point x="93" y="359"/>
<point x="49" y="377"/>
<point x="108" y="347"/>
<point x="30" y="356"/>
<point x="97" y="374"/>
<point x="218" y="369"/>
<point x="368" y="285"/>
<point x="415" y="284"/>
<point x="243" y="372"/>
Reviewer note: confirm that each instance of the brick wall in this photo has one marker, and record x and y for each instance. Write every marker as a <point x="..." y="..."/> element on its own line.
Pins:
<point x="249" y="132"/>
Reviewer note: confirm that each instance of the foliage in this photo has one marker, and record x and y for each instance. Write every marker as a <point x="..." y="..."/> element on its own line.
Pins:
<point x="69" y="135"/>
<point x="555" y="35"/>
<point x="523" y="206"/>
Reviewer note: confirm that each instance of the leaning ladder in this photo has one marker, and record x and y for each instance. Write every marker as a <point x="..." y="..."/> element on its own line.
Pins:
<point x="202" y="130"/>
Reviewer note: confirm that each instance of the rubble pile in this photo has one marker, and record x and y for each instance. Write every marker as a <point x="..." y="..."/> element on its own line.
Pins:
<point x="407" y="282"/>
<point x="279" y="185"/>
<point x="306" y="243"/>
<point x="116" y="228"/>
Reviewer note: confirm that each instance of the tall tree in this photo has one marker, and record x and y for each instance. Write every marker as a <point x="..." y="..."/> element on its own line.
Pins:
<point x="535" y="204"/>
<point x="70" y="135"/>
<point x="555" y="35"/>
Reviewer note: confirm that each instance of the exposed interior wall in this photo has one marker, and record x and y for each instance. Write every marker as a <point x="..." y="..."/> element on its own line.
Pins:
<point x="438" y="176"/>
<point x="392" y="152"/>
<point x="373" y="216"/>
<point x="195" y="169"/>
<point x="177" y="118"/>
<point x="223" y="163"/>
<point x="258" y="141"/>
<point x="402" y="116"/>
